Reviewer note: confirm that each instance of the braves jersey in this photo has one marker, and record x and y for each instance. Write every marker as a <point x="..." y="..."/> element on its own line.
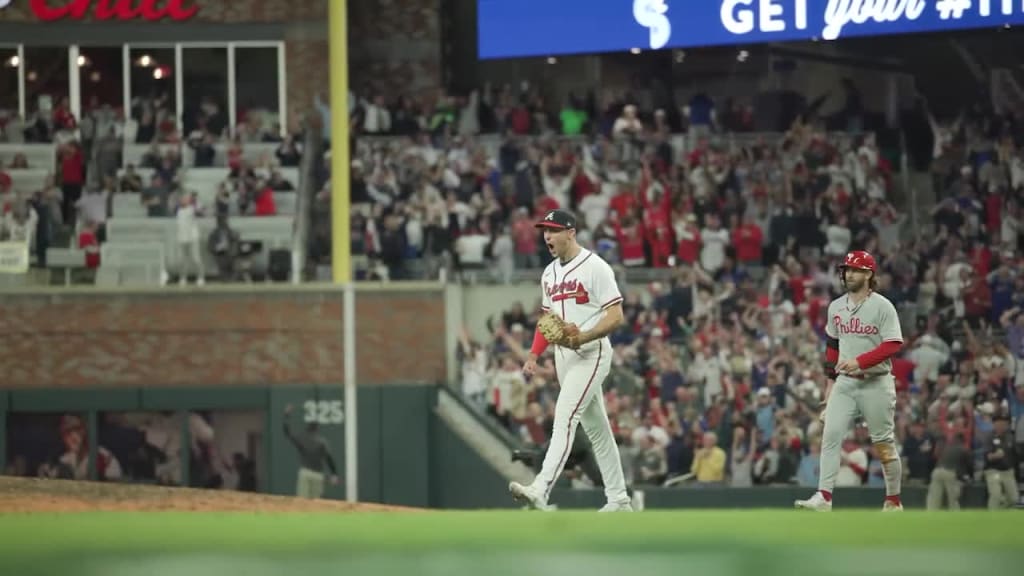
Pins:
<point x="580" y="290"/>
<point x="861" y="328"/>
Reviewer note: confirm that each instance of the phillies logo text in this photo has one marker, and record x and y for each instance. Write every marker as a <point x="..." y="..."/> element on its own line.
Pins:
<point x="854" y="326"/>
<point x="567" y="290"/>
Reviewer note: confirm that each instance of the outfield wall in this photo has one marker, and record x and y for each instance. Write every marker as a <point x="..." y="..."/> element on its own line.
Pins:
<point x="407" y="454"/>
<point x="241" y="354"/>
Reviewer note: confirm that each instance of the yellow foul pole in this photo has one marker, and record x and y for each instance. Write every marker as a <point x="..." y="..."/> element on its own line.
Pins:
<point x="341" y="260"/>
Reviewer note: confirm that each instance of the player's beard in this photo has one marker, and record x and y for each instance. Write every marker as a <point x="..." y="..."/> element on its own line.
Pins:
<point x="857" y="286"/>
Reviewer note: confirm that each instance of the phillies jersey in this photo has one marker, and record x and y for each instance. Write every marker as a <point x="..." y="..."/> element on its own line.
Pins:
<point x="861" y="328"/>
<point x="579" y="291"/>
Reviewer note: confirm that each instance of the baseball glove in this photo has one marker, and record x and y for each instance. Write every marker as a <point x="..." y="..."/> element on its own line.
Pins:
<point x="558" y="332"/>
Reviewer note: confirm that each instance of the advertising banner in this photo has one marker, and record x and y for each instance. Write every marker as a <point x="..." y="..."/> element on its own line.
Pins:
<point x="13" y="257"/>
<point x="519" y="28"/>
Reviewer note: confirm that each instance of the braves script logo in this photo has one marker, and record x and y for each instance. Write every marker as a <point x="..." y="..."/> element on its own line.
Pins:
<point x="567" y="290"/>
<point x="854" y="326"/>
<point x="651" y="14"/>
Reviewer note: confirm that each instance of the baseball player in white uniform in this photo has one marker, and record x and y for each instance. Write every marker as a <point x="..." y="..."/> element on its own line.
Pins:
<point x="580" y="287"/>
<point x="863" y="333"/>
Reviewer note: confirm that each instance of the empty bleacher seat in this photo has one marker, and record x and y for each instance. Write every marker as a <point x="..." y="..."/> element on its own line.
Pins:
<point x="140" y="263"/>
<point x="134" y="153"/>
<point x="128" y="205"/>
<point x="272" y="232"/>
<point x="286" y="202"/>
<point x="68" y="259"/>
<point x="27" y="181"/>
<point x="39" y="156"/>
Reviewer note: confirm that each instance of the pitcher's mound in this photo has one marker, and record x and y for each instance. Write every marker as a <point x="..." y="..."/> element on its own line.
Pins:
<point x="39" y="495"/>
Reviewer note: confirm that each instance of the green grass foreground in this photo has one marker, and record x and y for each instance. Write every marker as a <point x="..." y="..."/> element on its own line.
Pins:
<point x="760" y="542"/>
<point x="43" y="534"/>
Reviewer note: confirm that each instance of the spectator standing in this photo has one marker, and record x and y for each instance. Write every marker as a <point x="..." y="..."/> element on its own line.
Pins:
<point x="72" y="173"/>
<point x="652" y="465"/>
<point x="314" y="457"/>
<point x="94" y="207"/>
<point x="741" y="458"/>
<point x="189" y="247"/>
<point x="953" y="465"/>
<point x="1001" y="466"/>
<point x="709" y="461"/>
<point x="810" y="466"/>
<point x="853" y="464"/>
<point x="715" y="240"/>
<point x="224" y="244"/>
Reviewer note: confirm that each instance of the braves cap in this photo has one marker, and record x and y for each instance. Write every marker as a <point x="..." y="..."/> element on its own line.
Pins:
<point x="557" y="219"/>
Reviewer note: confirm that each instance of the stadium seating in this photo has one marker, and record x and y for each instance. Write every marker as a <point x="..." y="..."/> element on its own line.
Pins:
<point x="156" y="240"/>
<point x="205" y="182"/>
<point x="39" y="156"/>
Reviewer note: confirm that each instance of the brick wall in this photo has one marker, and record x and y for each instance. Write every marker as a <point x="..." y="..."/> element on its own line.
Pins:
<point x="306" y="64"/>
<point x="394" y="45"/>
<point x="216" y="338"/>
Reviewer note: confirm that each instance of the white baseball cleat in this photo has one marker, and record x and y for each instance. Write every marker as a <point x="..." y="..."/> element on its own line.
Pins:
<point x="892" y="507"/>
<point x="816" y="503"/>
<point x="624" y="506"/>
<point x="530" y="496"/>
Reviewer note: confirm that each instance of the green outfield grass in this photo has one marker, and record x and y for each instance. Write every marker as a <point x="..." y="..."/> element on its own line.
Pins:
<point x="522" y="543"/>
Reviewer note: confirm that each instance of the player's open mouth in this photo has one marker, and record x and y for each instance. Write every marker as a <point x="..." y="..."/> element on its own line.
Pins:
<point x="551" y="247"/>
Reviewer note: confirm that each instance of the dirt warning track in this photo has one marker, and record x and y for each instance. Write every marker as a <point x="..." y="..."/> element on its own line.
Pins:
<point x="41" y="495"/>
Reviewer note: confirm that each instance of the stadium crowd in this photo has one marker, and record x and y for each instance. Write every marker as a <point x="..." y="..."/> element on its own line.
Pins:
<point x="718" y="371"/>
<point x="72" y="199"/>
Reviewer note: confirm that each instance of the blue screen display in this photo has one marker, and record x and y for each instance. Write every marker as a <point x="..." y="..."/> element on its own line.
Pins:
<point x="518" y="28"/>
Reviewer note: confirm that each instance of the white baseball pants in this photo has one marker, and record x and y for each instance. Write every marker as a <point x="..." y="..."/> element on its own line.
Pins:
<point x="581" y="400"/>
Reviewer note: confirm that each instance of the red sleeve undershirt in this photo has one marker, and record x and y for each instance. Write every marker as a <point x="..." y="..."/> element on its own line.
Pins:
<point x="831" y="358"/>
<point x="832" y="355"/>
<point x="883" y="352"/>
<point x="540" y="344"/>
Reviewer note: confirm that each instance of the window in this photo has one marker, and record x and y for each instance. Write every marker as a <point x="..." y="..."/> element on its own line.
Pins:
<point x="257" y="100"/>
<point x="153" y="96"/>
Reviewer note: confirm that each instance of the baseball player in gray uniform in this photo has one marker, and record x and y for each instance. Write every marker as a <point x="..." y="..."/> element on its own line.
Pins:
<point x="863" y="333"/>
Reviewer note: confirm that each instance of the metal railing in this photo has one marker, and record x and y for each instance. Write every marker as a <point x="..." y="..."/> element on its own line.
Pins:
<point x="308" y="184"/>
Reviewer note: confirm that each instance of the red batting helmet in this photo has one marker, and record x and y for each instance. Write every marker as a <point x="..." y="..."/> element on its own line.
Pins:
<point x="860" y="259"/>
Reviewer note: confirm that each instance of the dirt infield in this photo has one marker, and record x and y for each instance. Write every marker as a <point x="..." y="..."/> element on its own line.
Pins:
<point x="38" y="495"/>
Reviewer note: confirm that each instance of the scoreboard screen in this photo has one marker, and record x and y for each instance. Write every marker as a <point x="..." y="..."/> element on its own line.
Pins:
<point x="523" y="28"/>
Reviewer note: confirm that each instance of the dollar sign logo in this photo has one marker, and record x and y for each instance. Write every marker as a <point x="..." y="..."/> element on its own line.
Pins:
<point x="651" y="14"/>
